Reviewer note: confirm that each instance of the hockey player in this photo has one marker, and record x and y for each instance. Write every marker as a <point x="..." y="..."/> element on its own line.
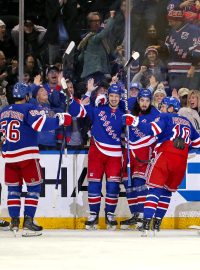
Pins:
<point x="19" y="124"/>
<point x="175" y="135"/>
<point x="104" y="155"/>
<point x="140" y="146"/>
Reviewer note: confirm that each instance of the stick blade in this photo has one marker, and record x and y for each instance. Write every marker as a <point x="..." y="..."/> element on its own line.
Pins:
<point x="63" y="83"/>
<point x="70" y="47"/>
<point x="135" y="55"/>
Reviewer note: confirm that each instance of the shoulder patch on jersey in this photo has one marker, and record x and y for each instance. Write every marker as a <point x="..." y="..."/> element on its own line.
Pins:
<point x="34" y="112"/>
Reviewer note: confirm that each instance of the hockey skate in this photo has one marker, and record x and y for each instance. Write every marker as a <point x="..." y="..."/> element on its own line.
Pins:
<point x="92" y="221"/>
<point x="14" y="225"/>
<point x="30" y="228"/>
<point x="156" y="225"/>
<point x="127" y="223"/>
<point x="145" y="227"/>
<point x="110" y="221"/>
<point x="4" y="225"/>
<point x="195" y="227"/>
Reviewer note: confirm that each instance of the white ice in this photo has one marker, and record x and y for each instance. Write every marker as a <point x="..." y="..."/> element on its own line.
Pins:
<point x="105" y="250"/>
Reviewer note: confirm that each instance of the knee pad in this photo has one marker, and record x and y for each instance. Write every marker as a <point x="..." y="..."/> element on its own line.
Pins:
<point x="166" y="193"/>
<point x="94" y="187"/>
<point x="156" y="191"/>
<point x="112" y="188"/>
<point x="137" y="182"/>
<point x="14" y="190"/>
<point x="34" y="191"/>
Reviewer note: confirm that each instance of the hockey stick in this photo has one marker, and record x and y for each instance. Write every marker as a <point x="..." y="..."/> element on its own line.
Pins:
<point x="134" y="57"/>
<point x="67" y="58"/>
<point x="64" y="86"/>
<point x="65" y="91"/>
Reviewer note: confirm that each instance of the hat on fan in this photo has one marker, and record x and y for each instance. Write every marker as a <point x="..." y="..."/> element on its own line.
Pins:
<point x="183" y="91"/>
<point x="52" y="67"/>
<point x="2" y="23"/>
<point x="151" y="49"/>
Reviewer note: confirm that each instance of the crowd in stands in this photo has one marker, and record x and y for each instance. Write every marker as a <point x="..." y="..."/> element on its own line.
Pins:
<point x="166" y="33"/>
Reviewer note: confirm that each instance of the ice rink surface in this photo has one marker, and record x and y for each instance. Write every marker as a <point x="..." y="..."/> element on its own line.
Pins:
<point x="101" y="249"/>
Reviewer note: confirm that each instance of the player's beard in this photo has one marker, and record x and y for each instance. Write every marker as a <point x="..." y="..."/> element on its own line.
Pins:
<point x="145" y="110"/>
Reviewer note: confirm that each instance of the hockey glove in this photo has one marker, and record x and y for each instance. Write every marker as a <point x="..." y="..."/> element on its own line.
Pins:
<point x="65" y="119"/>
<point x="130" y="120"/>
<point x="101" y="99"/>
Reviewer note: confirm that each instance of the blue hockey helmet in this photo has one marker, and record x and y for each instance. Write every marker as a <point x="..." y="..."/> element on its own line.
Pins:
<point x="20" y="90"/>
<point x="115" y="89"/>
<point x="171" y="101"/>
<point x="145" y="93"/>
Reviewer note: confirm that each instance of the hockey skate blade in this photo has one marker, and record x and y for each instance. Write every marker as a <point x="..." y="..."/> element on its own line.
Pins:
<point x="155" y="233"/>
<point x="15" y="232"/>
<point x="91" y="228"/>
<point x="29" y="233"/>
<point x="145" y="233"/>
<point x="111" y="228"/>
<point x="195" y="227"/>
<point x="128" y="227"/>
<point x="124" y="227"/>
<point x="5" y="228"/>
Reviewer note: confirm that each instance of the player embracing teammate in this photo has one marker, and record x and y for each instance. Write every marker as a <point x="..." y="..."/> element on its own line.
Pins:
<point x="175" y="134"/>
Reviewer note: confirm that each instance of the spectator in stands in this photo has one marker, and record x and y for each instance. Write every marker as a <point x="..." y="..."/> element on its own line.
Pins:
<point x="3" y="70"/>
<point x="53" y="87"/>
<point x="183" y="96"/>
<point x="184" y="52"/>
<point x="143" y="15"/>
<point x="134" y="89"/>
<point x="194" y="100"/>
<point x="46" y="139"/>
<point x="189" y="7"/>
<point x="3" y="98"/>
<point x="61" y="27"/>
<point x="34" y="39"/>
<point x="189" y="106"/>
<point x="94" y="49"/>
<point x="6" y="42"/>
<point x="31" y="66"/>
<point x="158" y="95"/>
<point x="74" y="132"/>
<point x="152" y="70"/>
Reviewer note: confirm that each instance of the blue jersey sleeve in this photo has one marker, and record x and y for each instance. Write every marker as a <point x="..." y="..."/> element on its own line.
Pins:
<point x="40" y="122"/>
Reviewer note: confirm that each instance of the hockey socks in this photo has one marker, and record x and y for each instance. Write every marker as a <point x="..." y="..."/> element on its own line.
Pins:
<point x="151" y="203"/>
<point x="112" y="195"/>
<point x="31" y="200"/>
<point x="94" y="196"/>
<point x="163" y="204"/>
<point x="141" y="192"/>
<point x="14" y="200"/>
<point x="131" y="195"/>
